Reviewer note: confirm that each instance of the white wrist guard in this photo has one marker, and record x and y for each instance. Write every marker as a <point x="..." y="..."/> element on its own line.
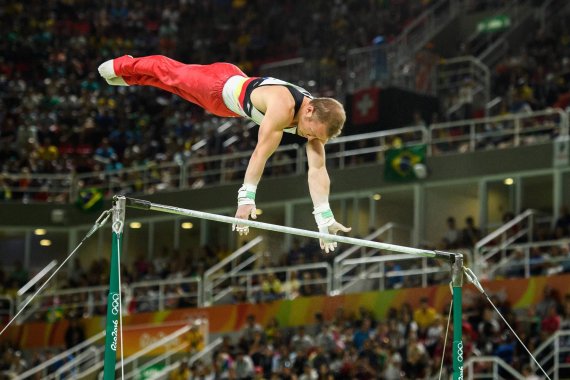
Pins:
<point x="323" y="215"/>
<point x="246" y="194"/>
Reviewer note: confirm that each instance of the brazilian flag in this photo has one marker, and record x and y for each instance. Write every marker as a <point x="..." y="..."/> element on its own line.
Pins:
<point x="90" y="199"/>
<point x="401" y="164"/>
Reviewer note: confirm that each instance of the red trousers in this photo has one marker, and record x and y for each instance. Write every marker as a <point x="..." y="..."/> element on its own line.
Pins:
<point x="199" y="84"/>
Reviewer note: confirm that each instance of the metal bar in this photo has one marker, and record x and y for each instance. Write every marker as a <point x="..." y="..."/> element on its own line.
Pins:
<point x="457" y="348"/>
<point x="146" y="205"/>
<point x="114" y="299"/>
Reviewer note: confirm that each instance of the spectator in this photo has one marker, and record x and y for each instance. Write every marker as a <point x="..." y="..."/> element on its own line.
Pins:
<point x="194" y="339"/>
<point x="74" y="334"/>
<point x="301" y="341"/>
<point x="563" y="220"/>
<point x="452" y="237"/>
<point x="325" y="339"/>
<point x="416" y="358"/>
<point x="243" y="366"/>
<point x="488" y="331"/>
<point x="307" y="287"/>
<point x="551" y="323"/>
<point x="250" y="328"/>
<point x="292" y="286"/>
<point x="362" y="334"/>
<point x="470" y="233"/>
<point x="19" y="275"/>
<point x="425" y="316"/>
<point x="309" y="373"/>
<point x="271" y="288"/>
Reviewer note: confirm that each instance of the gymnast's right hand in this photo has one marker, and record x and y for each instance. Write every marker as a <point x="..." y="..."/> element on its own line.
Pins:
<point x="246" y="207"/>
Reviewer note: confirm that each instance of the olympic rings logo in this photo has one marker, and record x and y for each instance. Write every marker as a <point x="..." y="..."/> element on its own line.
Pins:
<point x="460" y="352"/>
<point x="115" y="303"/>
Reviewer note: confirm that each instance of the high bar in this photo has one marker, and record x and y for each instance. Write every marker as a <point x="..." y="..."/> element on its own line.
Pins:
<point x="147" y="205"/>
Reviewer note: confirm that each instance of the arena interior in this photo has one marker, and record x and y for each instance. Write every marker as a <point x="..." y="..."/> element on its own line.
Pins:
<point x="456" y="140"/>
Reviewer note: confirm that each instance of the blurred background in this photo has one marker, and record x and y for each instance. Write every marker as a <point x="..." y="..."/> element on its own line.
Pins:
<point x="457" y="139"/>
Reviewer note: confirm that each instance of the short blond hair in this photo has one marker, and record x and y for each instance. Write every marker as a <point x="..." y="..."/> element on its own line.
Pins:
<point x="330" y="112"/>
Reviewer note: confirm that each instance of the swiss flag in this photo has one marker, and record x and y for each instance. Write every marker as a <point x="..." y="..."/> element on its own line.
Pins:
<point x="365" y="106"/>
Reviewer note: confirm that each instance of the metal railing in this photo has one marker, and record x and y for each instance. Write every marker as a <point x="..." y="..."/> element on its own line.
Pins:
<point x="442" y="138"/>
<point x="306" y="279"/>
<point x="322" y="76"/>
<point x="393" y="64"/>
<point x="81" y="363"/>
<point x="490" y="47"/>
<point x="87" y="301"/>
<point x="83" y="301"/>
<point x="208" y="350"/>
<point x="168" y="293"/>
<point x="132" y="363"/>
<point x="511" y="130"/>
<point x="552" y="355"/>
<point x="465" y="79"/>
<point x="217" y="278"/>
<point x="494" y="246"/>
<point x="41" y="369"/>
<point x="529" y="259"/>
<point x="384" y="233"/>
<point x="490" y="367"/>
<point x="375" y="274"/>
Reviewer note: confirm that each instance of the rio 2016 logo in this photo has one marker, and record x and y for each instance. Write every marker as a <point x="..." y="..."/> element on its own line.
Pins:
<point x="115" y="303"/>
<point x="114" y="336"/>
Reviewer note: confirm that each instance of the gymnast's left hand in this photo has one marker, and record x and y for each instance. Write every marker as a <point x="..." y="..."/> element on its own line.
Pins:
<point x="244" y="212"/>
<point x="333" y="229"/>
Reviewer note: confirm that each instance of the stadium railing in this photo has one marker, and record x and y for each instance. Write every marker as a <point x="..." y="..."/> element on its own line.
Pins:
<point x="499" y="132"/>
<point x="553" y="355"/>
<point x="41" y="370"/>
<point x="249" y="283"/>
<point x="159" y="294"/>
<point x="529" y="259"/>
<point x="217" y="282"/>
<point x="490" y="367"/>
<point x="493" y="247"/>
<point x="382" y="64"/>
<point x="88" y="301"/>
<point x="206" y="353"/>
<point x="132" y="363"/>
<point x="386" y="233"/>
<point x="507" y="131"/>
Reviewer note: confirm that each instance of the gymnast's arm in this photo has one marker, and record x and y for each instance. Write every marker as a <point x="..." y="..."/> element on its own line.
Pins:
<point x="269" y="137"/>
<point x="319" y="188"/>
<point x="319" y="181"/>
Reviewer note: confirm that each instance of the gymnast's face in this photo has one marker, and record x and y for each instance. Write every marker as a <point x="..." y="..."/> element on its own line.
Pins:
<point x="311" y="128"/>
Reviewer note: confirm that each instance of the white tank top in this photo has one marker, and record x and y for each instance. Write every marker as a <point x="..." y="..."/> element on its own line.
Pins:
<point x="237" y="90"/>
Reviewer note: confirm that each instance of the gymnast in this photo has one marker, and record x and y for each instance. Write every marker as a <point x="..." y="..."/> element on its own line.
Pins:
<point x="275" y="105"/>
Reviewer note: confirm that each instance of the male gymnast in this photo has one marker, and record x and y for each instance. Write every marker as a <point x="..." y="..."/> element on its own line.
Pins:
<point x="275" y="105"/>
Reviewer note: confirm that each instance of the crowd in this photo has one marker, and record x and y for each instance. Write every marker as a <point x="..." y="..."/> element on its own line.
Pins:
<point x="536" y="77"/>
<point x="408" y="343"/>
<point x="57" y="116"/>
<point x="548" y="255"/>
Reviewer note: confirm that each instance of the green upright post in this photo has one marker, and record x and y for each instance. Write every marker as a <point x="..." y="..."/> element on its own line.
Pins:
<point x="457" y="283"/>
<point x="114" y="299"/>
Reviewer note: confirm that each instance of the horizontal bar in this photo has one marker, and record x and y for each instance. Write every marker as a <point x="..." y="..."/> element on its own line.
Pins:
<point x="146" y="205"/>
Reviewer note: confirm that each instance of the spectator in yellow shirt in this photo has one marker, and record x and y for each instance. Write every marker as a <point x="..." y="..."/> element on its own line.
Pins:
<point x="195" y="339"/>
<point x="425" y="316"/>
